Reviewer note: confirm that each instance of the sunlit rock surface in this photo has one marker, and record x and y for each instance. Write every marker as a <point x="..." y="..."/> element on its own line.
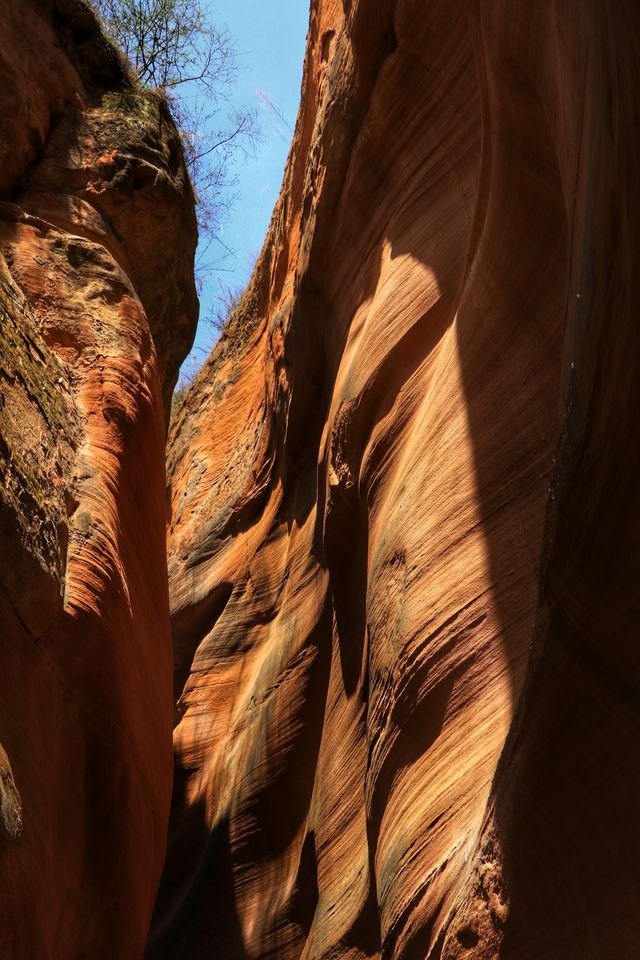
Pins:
<point x="403" y="538"/>
<point x="97" y="309"/>
<point x="403" y="544"/>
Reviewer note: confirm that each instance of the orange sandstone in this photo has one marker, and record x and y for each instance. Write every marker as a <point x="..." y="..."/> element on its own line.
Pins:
<point x="97" y="309"/>
<point x="402" y="554"/>
<point x="402" y="546"/>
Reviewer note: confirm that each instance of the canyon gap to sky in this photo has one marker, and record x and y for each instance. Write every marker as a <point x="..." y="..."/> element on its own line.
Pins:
<point x="269" y="39"/>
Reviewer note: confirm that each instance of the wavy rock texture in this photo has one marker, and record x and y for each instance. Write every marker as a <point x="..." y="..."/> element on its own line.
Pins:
<point x="403" y="553"/>
<point x="97" y="309"/>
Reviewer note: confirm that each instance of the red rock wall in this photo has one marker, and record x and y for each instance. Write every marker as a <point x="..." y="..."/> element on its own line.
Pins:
<point x="403" y="544"/>
<point x="403" y="548"/>
<point x="97" y="309"/>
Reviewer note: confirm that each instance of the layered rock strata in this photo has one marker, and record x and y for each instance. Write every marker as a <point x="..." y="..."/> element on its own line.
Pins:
<point x="403" y="546"/>
<point x="97" y="310"/>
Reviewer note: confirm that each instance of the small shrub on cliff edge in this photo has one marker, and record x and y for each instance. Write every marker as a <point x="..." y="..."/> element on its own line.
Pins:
<point x="172" y="47"/>
<point x="223" y="311"/>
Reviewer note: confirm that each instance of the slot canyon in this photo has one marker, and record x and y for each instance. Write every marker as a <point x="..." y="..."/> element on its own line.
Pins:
<point x="338" y="661"/>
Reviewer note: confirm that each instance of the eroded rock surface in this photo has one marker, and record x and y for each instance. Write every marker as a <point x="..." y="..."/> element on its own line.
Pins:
<point x="403" y="547"/>
<point x="97" y="309"/>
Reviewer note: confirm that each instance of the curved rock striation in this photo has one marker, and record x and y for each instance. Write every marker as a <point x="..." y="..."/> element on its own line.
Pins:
<point x="402" y="548"/>
<point x="97" y="310"/>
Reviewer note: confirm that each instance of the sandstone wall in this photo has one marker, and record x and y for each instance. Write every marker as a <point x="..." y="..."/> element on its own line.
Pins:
<point x="403" y="546"/>
<point x="97" y="309"/>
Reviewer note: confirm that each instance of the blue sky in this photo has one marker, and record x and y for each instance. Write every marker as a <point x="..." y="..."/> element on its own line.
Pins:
<point x="269" y="39"/>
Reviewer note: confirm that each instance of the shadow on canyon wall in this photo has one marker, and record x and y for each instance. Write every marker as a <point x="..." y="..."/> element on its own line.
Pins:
<point x="505" y="274"/>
